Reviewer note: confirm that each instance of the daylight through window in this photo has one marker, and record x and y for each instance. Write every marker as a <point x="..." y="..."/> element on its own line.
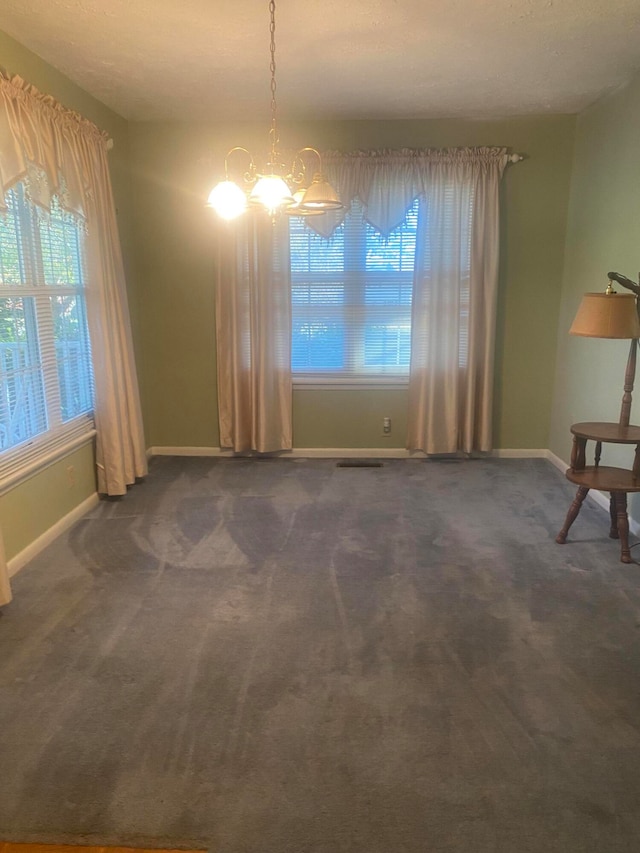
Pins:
<point x="351" y="298"/>
<point x="46" y="386"/>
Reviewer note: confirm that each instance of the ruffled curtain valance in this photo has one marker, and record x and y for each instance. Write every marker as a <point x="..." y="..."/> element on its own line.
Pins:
<point x="45" y="145"/>
<point x="388" y="181"/>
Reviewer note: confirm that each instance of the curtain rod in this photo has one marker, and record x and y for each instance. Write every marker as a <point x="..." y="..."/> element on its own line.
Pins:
<point x="512" y="158"/>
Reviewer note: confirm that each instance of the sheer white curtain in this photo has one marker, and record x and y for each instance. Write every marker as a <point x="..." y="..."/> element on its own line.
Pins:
<point x="454" y="304"/>
<point x="455" y="281"/>
<point x="253" y="335"/>
<point x="57" y="152"/>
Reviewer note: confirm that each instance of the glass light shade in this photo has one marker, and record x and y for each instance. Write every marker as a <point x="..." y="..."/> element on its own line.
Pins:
<point x="320" y="196"/>
<point x="272" y="192"/>
<point x="607" y="315"/>
<point x="296" y="210"/>
<point x="227" y="199"/>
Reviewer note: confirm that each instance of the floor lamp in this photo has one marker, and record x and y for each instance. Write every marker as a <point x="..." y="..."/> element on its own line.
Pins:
<point x="613" y="315"/>
<point x="608" y="315"/>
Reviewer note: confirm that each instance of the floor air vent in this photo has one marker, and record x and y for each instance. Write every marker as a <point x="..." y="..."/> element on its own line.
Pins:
<point x="359" y="463"/>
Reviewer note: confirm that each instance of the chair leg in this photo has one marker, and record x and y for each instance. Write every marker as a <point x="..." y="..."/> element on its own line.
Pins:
<point x="574" y="509"/>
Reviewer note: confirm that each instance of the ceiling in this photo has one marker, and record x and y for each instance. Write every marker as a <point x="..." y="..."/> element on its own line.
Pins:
<point x="209" y="59"/>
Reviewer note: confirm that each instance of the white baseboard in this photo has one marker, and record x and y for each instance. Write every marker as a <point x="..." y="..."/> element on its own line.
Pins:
<point x="355" y="453"/>
<point x="560" y="464"/>
<point x="22" y="558"/>
<point x="341" y="452"/>
<point x="517" y="453"/>
<point x="187" y="451"/>
<point x="296" y="453"/>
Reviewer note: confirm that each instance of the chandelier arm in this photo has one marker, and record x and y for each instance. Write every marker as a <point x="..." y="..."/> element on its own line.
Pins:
<point x="313" y="151"/>
<point x="250" y="175"/>
<point x="299" y="167"/>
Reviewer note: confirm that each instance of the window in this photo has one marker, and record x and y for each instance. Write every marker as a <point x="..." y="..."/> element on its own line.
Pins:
<point x="46" y="385"/>
<point x="351" y="299"/>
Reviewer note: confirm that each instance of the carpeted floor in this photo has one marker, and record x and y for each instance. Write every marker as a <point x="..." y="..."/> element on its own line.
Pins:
<point x="267" y="656"/>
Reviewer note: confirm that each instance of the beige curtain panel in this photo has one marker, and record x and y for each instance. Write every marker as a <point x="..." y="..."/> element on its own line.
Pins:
<point x="58" y="153"/>
<point x="454" y="305"/>
<point x="253" y="335"/>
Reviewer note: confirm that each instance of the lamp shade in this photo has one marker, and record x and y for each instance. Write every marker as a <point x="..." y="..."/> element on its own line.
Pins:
<point x="607" y="315"/>
<point x="296" y="210"/>
<point x="320" y="196"/>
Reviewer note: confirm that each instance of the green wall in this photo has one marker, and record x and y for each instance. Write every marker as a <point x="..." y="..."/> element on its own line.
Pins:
<point x="603" y="233"/>
<point x="30" y="509"/>
<point x="174" y="166"/>
<point x="35" y="505"/>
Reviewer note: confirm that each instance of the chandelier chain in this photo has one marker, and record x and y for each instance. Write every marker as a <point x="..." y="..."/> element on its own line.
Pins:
<point x="271" y="188"/>
<point x="273" y="132"/>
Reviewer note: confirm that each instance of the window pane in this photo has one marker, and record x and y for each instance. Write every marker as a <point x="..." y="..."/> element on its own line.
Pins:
<point x="389" y="290"/>
<point x="317" y="293"/>
<point x="317" y="345"/>
<point x="312" y="253"/>
<point x="388" y="346"/>
<point x="60" y="238"/>
<point x="351" y="297"/>
<point x="397" y="251"/>
<point x="12" y="272"/>
<point x="46" y="389"/>
<point x="22" y="408"/>
<point x="72" y="350"/>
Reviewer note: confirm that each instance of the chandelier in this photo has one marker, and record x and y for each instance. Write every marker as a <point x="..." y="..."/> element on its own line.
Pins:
<point x="275" y="187"/>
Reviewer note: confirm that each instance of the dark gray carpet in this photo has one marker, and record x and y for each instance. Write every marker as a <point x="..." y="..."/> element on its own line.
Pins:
<point x="287" y="656"/>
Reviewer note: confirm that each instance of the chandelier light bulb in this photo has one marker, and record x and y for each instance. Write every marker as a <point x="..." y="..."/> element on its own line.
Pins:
<point x="272" y="192"/>
<point x="227" y="199"/>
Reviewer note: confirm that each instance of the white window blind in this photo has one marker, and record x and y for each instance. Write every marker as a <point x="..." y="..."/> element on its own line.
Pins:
<point x="351" y="299"/>
<point x="46" y="383"/>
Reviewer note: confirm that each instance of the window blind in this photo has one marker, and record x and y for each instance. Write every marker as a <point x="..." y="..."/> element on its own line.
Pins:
<point x="46" y="382"/>
<point x="351" y="298"/>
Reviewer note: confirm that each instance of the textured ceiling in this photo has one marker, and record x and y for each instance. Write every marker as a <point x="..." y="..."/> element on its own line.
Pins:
<point x="209" y="59"/>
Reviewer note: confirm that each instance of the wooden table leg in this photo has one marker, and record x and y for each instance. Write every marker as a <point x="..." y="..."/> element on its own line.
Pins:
<point x="620" y="499"/>
<point x="598" y="453"/>
<point x="578" y="453"/>
<point x="613" y="513"/>
<point x="574" y="509"/>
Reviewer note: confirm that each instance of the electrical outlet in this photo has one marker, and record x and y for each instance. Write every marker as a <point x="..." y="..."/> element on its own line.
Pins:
<point x="386" y="425"/>
<point x="71" y="476"/>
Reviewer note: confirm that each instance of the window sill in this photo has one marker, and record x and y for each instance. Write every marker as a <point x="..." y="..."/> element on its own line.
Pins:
<point x="47" y="459"/>
<point x="328" y="383"/>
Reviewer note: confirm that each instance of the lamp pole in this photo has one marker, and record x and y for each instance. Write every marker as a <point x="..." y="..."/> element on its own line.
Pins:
<point x="630" y="372"/>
